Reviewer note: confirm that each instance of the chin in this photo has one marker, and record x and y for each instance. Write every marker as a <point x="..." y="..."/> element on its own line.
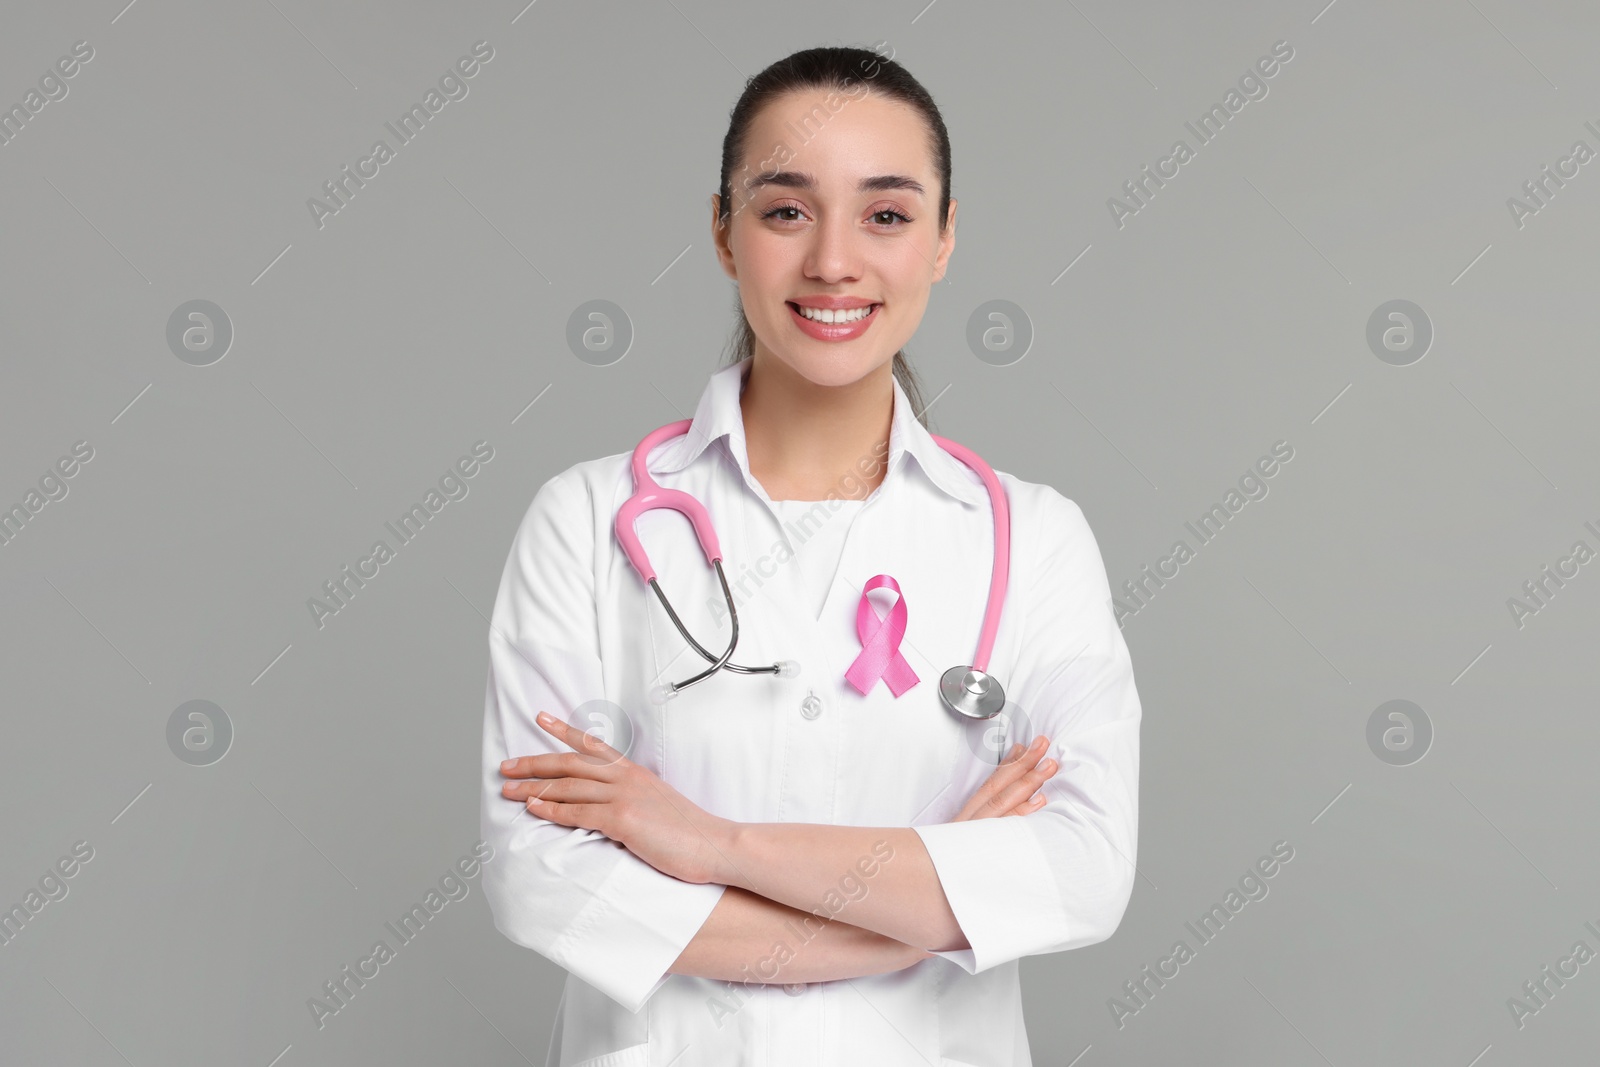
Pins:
<point x="836" y="365"/>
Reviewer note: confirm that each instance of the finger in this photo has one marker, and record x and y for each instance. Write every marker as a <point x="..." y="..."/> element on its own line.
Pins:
<point x="1029" y="755"/>
<point x="988" y="800"/>
<point x="1021" y="790"/>
<point x="557" y="765"/>
<point x="522" y="767"/>
<point x="1029" y="807"/>
<point x="584" y="743"/>
<point x="582" y="815"/>
<point x="1036" y="746"/>
<point x="982" y="803"/>
<point x="558" y="790"/>
<point x="1008" y="773"/>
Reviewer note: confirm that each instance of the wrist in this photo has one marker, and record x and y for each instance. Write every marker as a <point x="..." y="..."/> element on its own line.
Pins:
<point x="912" y="955"/>
<point x="728" y="839"/>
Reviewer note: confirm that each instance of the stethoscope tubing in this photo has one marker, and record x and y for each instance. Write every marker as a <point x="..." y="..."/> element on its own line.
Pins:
<point x="964" y="690"/>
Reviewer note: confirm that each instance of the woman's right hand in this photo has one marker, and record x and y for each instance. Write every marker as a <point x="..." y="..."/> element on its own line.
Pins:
<point x="1013" y="787"/>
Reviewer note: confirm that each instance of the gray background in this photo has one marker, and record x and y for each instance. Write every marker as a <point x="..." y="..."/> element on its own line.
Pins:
<point x="1228" y="314"/>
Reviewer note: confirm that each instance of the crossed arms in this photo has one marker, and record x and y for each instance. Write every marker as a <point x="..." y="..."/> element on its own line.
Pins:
<point x="783" y="879"/>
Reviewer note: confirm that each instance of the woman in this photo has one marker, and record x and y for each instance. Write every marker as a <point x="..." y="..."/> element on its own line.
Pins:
<point x="796" y="867"/>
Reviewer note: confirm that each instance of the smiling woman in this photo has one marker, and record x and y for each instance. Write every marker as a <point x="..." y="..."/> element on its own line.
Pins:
<point x="688" y="878"/>
<point x="839" y="101"/>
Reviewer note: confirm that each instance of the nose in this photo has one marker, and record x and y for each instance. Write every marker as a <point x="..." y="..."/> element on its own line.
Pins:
<point x="835" y="253"/>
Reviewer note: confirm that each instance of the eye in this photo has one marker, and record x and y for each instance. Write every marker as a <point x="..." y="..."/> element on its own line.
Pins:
<point x="774" y="210"/>
<point x="890" y="212"/>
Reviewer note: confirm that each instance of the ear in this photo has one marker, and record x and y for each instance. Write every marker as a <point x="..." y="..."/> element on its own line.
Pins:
<point x="721" y="238"/>
<point x="947" y="243"/>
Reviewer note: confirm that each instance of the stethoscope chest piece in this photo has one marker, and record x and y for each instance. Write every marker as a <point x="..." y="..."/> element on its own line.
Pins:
<point x="970" y="692"/>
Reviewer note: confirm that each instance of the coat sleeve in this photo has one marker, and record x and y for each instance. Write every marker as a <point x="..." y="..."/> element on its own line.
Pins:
<point x="573" y="895"/>
<point x="1058" y="878"/>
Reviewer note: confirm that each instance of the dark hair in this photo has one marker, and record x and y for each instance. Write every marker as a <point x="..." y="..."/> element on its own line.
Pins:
<point x="833" y="69"/>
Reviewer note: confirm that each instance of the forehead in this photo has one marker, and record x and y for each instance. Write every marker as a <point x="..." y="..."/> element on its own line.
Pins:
<point x="840" y="138"/>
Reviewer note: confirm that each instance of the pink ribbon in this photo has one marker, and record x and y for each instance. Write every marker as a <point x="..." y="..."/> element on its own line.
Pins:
<point x="880" y="643"/>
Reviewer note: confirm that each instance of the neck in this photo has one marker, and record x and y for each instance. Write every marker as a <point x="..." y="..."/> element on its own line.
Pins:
<point x="808" y="442"/>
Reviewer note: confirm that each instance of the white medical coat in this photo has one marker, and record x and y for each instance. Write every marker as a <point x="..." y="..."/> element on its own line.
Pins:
<point x="576" y="632"/>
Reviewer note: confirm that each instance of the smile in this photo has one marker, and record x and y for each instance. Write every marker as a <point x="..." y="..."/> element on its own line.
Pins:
<point x="826" y="324"/>
<point x="825" y="315"/>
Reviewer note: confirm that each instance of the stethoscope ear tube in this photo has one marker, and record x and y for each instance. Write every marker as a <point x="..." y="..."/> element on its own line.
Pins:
<point x="648" y="495"/>
<point x="786" y="668"/>
<point x="717" y="662"/>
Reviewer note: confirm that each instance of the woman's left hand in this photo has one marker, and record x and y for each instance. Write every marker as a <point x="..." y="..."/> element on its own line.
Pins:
<point x="598" y="788"/>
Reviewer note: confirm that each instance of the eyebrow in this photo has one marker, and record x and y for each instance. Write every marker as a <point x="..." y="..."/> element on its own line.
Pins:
<point x="799" y="179"/>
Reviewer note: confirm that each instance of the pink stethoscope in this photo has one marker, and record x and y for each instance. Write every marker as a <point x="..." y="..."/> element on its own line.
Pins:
<point x="970" y="692"/>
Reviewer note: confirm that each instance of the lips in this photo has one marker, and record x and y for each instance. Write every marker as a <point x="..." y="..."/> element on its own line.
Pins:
<point x="835" y="331"/>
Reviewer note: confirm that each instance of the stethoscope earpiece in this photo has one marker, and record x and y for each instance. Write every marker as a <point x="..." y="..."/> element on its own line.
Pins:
<point x="784" y="668"/>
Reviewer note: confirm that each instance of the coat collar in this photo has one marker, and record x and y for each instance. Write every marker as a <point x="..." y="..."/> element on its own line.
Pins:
<point x="719" y="415"/>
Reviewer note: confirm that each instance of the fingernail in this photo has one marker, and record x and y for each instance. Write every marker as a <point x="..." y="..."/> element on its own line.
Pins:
<point x="545" y="720"/>
<point x="506" y="765"/>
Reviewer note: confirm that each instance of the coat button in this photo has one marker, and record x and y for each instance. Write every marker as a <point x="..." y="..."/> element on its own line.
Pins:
<point x="811" y="707"/>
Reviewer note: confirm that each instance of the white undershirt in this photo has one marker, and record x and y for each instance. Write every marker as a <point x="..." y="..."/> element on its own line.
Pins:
<point x="818" y="542"/>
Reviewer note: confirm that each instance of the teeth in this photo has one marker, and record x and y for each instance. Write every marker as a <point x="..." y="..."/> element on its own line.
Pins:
<point x="825" y="315"/>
